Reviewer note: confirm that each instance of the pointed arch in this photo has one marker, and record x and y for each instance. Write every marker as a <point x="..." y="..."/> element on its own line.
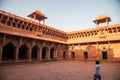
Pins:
<point x="85" y="54"/>
<point x="35" y="52"/>
<point x="72" y="55"/>
<point x="64" y="55"/>
<point x="11" y="42"/>
<point x="44" y="52"/>
<point x="23" y="51"/>
<point x="8" y="51"/>
<point x="52" y="53"/>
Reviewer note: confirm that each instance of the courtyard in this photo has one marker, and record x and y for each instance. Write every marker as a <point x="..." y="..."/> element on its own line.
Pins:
<point x="59" y="70"/>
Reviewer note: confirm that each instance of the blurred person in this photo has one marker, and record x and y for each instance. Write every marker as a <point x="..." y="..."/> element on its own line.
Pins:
<point x="97" y="75"/>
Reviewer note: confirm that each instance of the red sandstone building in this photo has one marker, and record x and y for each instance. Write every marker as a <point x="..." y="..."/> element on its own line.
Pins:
<point x="30" y="39"/>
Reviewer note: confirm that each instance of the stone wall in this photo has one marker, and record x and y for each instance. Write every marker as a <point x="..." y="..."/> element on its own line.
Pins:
<point x="91" y="51"/>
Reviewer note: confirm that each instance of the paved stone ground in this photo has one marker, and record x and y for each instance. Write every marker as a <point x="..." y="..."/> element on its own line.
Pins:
<point x="59" y="70"/>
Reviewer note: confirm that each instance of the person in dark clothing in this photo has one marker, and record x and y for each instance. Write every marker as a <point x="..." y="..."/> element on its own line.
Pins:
<point x="97" y="75"/>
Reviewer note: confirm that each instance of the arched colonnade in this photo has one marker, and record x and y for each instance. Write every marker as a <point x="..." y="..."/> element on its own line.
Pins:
<point x="11" y="52"/>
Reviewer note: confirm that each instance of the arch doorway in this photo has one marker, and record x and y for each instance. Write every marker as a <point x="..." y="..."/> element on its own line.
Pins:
<point x="34" y="52"/>
<point x="52" y="50"/>
<point x="23" y="52"/>
<point x="8" y="52"/>
<point x="64" y="55"/>
<point x="44" y="51"/>
<point x="85" y="55"/>
<point x="72" y="55"/>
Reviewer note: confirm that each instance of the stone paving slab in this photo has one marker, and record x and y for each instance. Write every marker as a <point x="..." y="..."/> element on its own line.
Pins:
<point x="59" y="70"/>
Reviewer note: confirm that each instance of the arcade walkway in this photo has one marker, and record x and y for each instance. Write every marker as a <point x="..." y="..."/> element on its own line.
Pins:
<point x="59" y="70"/>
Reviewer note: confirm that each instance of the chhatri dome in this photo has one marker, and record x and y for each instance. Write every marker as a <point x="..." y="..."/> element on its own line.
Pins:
<point x="102" y="17"/>
<point x="37" y="15"/>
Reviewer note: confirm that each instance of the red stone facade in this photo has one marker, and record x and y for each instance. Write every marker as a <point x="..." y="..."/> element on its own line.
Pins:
<point x="24" y="39"/>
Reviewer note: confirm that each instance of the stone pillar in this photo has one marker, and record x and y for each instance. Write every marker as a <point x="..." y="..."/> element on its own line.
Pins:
<point x="55" y="55"/>
<point x="66" y="54"/>
<point x="43" y="22"/>
<point x="29" y="54"/>
<point x="60" y="54"/>
<point x="6" y="20"/>
<point x="107" y="22"/>
<point x="96" y="24"/>
<point x="16" y="54"/>
<point x="0" y="54"/>
<point x="39" y="55"/>
<point x="48" y="54"/>
<point x="34" y="17"/>
<point x="97" y="53"/>
<point x="39" y="21"/>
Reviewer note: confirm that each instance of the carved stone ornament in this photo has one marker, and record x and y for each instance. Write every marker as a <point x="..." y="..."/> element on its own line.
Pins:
<point x="102" y="34"/>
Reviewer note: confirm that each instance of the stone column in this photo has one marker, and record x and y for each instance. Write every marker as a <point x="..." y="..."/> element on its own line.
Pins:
<point x="97" y="51"/>
<point x="55" y="55"/>
<point x="48" y="54"/>
<point x="39" y="55"/>
<point x="96" y="24"/>
<point x="29" y="54"/>
<point x="16" y="54"/>
<point x="59" y="54"/>
<point x="107" y="22"/>
<point x="66" y="53"/>
<point x="34" y="17"/>
<point x="43" y="22"/>
<point x="0" y="54"/>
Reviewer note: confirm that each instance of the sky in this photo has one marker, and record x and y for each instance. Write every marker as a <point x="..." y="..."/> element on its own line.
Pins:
<point x="66" y="15"/>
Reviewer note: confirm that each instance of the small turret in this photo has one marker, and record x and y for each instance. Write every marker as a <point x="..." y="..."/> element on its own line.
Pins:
<point x="102" y="19"/>
<point x="37" y="15"/>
